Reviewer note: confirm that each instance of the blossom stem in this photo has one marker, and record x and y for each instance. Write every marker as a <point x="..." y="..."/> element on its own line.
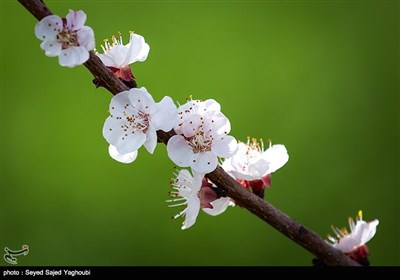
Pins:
<point x="308" y="239"/>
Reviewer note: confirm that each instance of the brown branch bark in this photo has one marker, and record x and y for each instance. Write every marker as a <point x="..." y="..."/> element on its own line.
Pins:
<point x="256" y="205"/>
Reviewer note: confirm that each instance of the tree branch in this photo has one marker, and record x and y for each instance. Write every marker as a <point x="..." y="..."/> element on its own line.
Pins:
<point x="256" y="205"/>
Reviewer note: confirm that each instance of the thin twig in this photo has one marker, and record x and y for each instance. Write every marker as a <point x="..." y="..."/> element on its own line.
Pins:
<point x="256" y="205"/>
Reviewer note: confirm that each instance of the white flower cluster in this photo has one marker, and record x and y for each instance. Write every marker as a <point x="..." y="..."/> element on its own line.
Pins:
<point x="201" y="131"/>
<point x="68" y="38"/>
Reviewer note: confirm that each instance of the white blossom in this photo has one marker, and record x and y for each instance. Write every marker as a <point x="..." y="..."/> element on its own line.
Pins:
<point x="118" y="56"/>
<point x="185" y="191"/>
<point x="133" y="122"/>
<point x="252" y="162"/>
<point x="67" y="38"/>
<point x="202" y="136"/>
<point x="195" y="193"/>
<point x="360" y="233"/>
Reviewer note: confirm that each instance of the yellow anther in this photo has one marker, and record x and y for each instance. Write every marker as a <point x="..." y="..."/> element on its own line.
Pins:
<point x="359" y="214"/>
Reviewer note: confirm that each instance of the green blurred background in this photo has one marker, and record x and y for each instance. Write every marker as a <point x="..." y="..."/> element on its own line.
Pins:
<point x="320" y="77"/>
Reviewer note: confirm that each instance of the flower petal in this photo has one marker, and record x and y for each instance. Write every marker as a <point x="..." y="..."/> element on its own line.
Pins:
<point x="191" y="212"/>
<point x="123" y="158"/>
<point x="242" y="175"/>
<point x="204" y="162"/>
<point x="130" y="142"/>
<point x="227" y="165"/>
<point x="277" y="156"/>
<point x="224" y="146"/>
<point x="211" y="105"/>
<point x="142" y="100"/>
<point x="125" y="141"/>
<point x="118" y="54"/>
<point x="216" y="124"/>
<point x="112" y="130"/>
<point x="179" y="151"/>
<point x="48" y="28"/>
<point x="85" y="37"/>
<point x="165" y="116"/>
<point x="73" y="56"/>
<point x="120" y="103"/>
<point x="197" y="182"/>
<point x="346" y="244"/>
<point x="108" y="60"/>
<point x="51" y="48"/>
<point x="257" y="169"/>
<point x="75" y="19"/>
<point x="151" y="140"/>
<point x="219" y="206"/>
<point x="138" y="49"/>
<point x="188" y="186"/>
<point x="369" y="232"/>
<point x="191" y="125"/>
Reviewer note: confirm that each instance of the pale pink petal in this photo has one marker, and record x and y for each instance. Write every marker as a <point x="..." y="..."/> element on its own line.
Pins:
<point x="187" y="185"/>
<point x="112" y="130"/>
<point x="227" y="165"/>
<point x="125" y="141"/>
<point x="130" y="142"/>
<point x="123" y="158"/>
<point x="142" y="100"/>
<point x="151" y="140"/>
<point x="346" y="244"/>
<point x="138" y="50"/>
<point x="242" y="175"/>
<point x="73" y="56"/>
<point x="48" y="28"/>
<point x="219" y="206"/>
<point x="191" y="125"/>
<point x="165" y="117"/>
<point x="369" y="233"/>
<point x="257" y="169"/>
<point x="120" y="103"/>
<point x="51" y="48"/>
<point x="224" y="146"/>
<point x="211" y="105"/>
<point x="75" y="19"/>
<point x="277" y="156"/>
<point x="85" y="37"/>
<point x="204" y="162"/>
<point x="179" y="151"/>
<point x="108" y="60"/>
<point x="358" y="230"/>
<point x="118" y="54"/>
<point x="191" y="212"/>
<point x="216" y="124"/>
<point x="197" y="182"/>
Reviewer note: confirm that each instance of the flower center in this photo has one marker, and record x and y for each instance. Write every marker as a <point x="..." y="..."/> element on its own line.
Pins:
<point x="199" y="143"/>
<point x="67" y="38"/>
<point x="253" y="153"/>
<point x="138" y="122"/>
<point x="254" y="145"/>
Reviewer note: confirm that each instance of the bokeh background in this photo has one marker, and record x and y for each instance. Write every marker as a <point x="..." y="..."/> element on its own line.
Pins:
<point x="320" y="77"/>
